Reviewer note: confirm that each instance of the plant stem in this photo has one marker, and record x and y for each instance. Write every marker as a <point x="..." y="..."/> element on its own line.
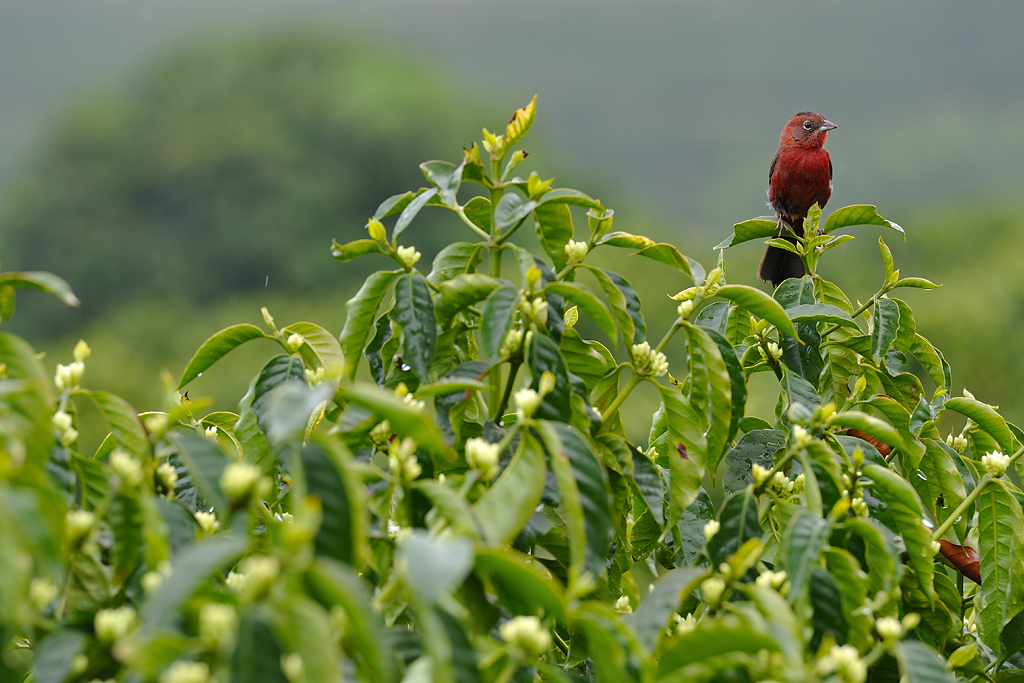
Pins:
<point x="971" y="497"/>
<point x="636" y="378"/>
<point x="470" y="224"/>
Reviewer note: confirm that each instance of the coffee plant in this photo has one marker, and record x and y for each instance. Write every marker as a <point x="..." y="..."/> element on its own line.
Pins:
<point x="446" y="490"/>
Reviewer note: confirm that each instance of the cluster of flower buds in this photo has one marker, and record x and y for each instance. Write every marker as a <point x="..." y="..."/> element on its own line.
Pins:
<point x="408" y="256"/>
<point x="576" y="251"/>
<point x="402" y="460"/>
<point x="68" y="376"/>
<point x="958" y="443"/>
<point x="535" y="311"/>
<point x="526" y="637"/>
<point x="512" y="344"/>
<point x="63" y="423"/>
<point x="527" y="402"/>
<point x="774" y="580"/>
<point x="114" y="624"/>
<point x="255" y="576"/>
<point x="995" y="463"/>
<point x="217" y="624"/>
<point x="623" y="606"/>
<point x="713" y="589"/>
<point x="773" y="352"/>
<point x="712" y="527"/>
<point x="127" y="468"/>
<point x="844" y="661"/>
<point x="183" y="671"/>
<point x="647" y="361"/>
<point x="402" y="392"/>
<point x="240" y="481"/>
<point x="483" y="456"/>
<point x="680" y="625"/>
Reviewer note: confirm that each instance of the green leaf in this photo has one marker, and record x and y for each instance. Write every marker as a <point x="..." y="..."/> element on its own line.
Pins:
<point x="858" y="214"/>
<point x="588" y="360"/>
<point x="667" y="593"/>
<point x="330" y="477"/>
<point x="410" y="211"/>
<point x="886" y="325"/>
<point x="585" y="480"/>
<point x="579" y="295"/>
<point x="757" y="446"/>
<point x="554" y="229"/>
<point x="124" y="517"/>
<point x="821" y="313"/>
<point x="686" y="451"/>
<point x="670" y="256"/>
<point x="739" y="523"/>
<point x="54" y="654"/>
<point x="753" y="229"/>
<point x="880" y="552"/>
<point x="257" y="655"/>
<point x="920" y="664"/>
<point x="204" y="462"/>
<point x="414" y="312"/>
<point x="738" y="393"/>
<point x="544" y="356"/>
<point x="625" y="304"/>
<point x="454" y="259"/>
<point x="334" y="584"/>
<point x="460" y="292"/>
<point x="325" y="347"/>
<point x="405" y="420"/>
<point x="353" y="250"/>
<point x="359" y="312"/>
<point x="41" y="281"/>
<point x="393" y="204"/>
<point x="711" y="642"/>
<point x="802" y="543"/>
<point x="916" y="283"/>
<point x="625" y="240"/>
<point x="519" y="585"/>
<point x="447" y="502"/>
<point x="218" y="346"/>
<point x="433" y="567"/>
<point x="511" y="209"/>
<point x="880" y="429"/>
<point x="905" y="508"/>
<point x="27" y="410"/>
<point x="943" y="482"/>
<point x="504" y="508"/>
<point x="193" y="566"/>
<point x="827" y="616"/>
<point x="123" y="422"/>
<point x="1000" y="544"/>
<point x="987" y="418"/>
<point x="710" y="391"/>
<point x="761" y="305"/>
<point x="446" y="176"/>
<point x="496" y="319"/>
<point x="565" y="195"/>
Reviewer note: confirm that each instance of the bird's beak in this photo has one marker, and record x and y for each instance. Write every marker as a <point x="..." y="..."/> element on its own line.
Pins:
<point x="827" y="126"/>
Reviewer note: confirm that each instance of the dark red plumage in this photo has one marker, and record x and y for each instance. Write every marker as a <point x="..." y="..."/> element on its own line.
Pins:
<point x="799" y="177"/>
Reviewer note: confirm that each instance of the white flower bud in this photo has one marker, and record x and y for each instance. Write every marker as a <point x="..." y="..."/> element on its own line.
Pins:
<point x="381" y="433"/>
<point x="995" y="463"/>
<point x="771" y="579"/>
<point x="408" y="256"/>
<point x="207" y="522"/>
<point x="759" y="473"/>
<point x="112" y="624"/>
<point x="513" y="342"/>
<point x="526" y="635"/>
<point x="576" y="251"/>
<point x="267" y="318"/>
<point x="78" y="524"/>
<point x="377" y="230"/>
<point x="293" y="667"/>
<point x="711" y="528"/>
<point x="294" y="342"/>
<point x="402" y="460"/>
<point x="682" y="626"/>
<point x="62" y="378"/>
<point x="42" y="592"/>
<point x="167" y="475"/>
<point x="889" y="628"/>
<point x="82" y="351"/>
<point x="647" y="361"/>
<point x="845" y="661"/>
<point x="186" y="672"/>
<point x="156" y="424"/>
<point x="211" y="433"/>
<point x="151" y="581"/>
<point x="61" y="421"/>
<point x="712" y="590"/>
<point x="483" y="456"/>
<point x="547" y="383"/>
<point x="801" y="439"/>
<point x="238" y="480"/>
<point x="260" y="573"/>
<point x="314" y="377"/>
<point x="527" y="401"/>
<point x="217" y="623"/>
<point x="685" y="309"/>
<point x="77" y="369"/>
<point x="960" y="443"/>
<point x="622" y="605"/>
<point x="860" y="506"/>
<point x="127" y="468"/>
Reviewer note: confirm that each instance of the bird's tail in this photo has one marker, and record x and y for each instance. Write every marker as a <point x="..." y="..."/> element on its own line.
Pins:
<point x="778" y="265"/>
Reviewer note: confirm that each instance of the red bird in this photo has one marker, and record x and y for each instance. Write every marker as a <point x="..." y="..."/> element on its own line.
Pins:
<point x="799" y="177"/>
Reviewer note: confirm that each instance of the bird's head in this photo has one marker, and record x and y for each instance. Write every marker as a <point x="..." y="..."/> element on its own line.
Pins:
<point x="807" y="129"/>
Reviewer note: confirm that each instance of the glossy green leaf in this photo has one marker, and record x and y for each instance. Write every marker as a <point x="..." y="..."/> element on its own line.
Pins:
<point x="410" y="211"/>
<point x="544" y="356"/>
<point x="905" y="508"/>
<point x="496" y="319"/>
<point x="511" y="209"/>
<point x="686" y="451"/>
<point x="359" y="313"/>
<point x="414" y="312"/>
<point x="717" y="638"/>
<point x="667" y="593"/>
<point x="821" y="313"/>
<point x="446" y="177"/>
<point x="1000" y="544"/>
<point x="588" y="360"/>
<point x="40" y="281"/>
<point x="124" y="517"/>
<point x="804" y="538"/>
<point x="504" y="508"/>
<point x="323" y="345"/>
<point x="579" y="295"/>
<point x="521" y="587"/>
<point x="330" y="477"/>
<point x="454" y="259"/>
<point x="739" y="523"/>
<point x="353" y="250"/>
<point x="858" y="214"/>
<point x="218" y="346"/>
<point x="886" y="325"/>
<point x="405" y="419"/>
<point x="565" y="195"/>
<point x="123" y="422"/>
<point x="554" y="230"/>
<point x="985" y="417"/>
<point x="334" y="584"/>
<point x="873" y="426"/>
<point x="625" y="240"/>
<point x="753" y="229"/>
<point x="880" y="552"/>
<point x="761" y="305"/>
<point x="257" y="655"/>
<point x="920" y="664"/>
<point x="433" y="567"/>
<point x="711" y="389"/>
<point x="460" y="292"/>
<point x="54" y="655"/>
<point x="204" y="462"/>
<point x="668" y="255"/>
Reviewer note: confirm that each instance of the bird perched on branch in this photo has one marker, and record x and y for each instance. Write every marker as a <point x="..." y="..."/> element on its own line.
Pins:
<point x="799" y="177"/>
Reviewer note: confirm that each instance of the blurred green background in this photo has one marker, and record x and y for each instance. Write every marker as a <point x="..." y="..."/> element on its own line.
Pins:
<point x="182" y="163"/>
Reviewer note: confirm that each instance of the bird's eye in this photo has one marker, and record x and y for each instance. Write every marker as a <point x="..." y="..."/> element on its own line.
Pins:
<point x="808" y="125"/>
